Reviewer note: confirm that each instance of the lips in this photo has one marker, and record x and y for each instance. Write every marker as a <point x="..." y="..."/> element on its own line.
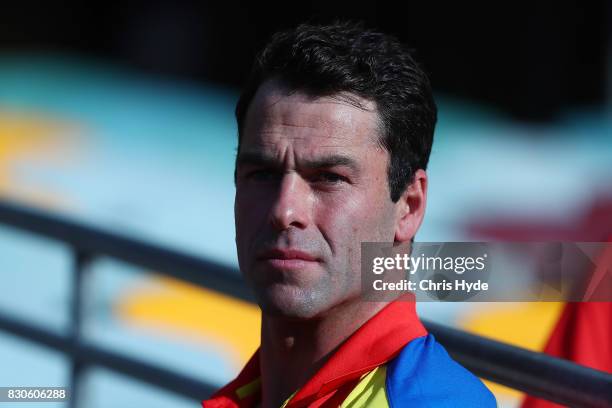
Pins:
<point x="287" y="258"/>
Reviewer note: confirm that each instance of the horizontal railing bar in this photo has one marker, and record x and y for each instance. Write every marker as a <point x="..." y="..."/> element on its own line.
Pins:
<point x="93" y="355"/>
<point x="538" y="374"/>
<point x="94" y="241"/>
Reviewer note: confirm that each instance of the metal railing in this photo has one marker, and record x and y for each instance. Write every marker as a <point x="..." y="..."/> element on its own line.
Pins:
<point x="537" y="374"/>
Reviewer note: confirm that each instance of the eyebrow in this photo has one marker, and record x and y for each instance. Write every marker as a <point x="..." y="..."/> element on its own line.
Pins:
<point x="263" y="159"/>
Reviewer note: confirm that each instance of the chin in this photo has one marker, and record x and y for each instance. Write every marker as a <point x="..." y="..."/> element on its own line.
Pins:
<point x="289" y="302"/>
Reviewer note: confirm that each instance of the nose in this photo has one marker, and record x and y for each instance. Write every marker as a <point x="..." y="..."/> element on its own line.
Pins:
<point x="292" y="205"/>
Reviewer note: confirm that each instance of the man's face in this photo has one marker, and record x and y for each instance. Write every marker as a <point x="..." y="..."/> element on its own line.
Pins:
<point x="311" y="185"/>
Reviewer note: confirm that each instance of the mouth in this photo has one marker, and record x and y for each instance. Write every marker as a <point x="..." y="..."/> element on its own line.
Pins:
<point x="287" y="258"/>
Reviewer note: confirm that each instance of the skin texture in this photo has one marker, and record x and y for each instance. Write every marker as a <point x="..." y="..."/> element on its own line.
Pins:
<point x="311" y="177"/>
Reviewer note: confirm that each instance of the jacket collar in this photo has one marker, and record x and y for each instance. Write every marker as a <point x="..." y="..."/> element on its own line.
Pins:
<point x="376" y="342"/>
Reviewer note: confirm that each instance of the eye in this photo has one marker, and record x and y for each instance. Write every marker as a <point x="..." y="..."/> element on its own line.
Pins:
<point x="263" y="175"/>
<point x="328" y="177"/>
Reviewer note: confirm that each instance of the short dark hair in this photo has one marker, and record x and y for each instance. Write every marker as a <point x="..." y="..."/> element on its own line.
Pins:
<point x="344" y="57"/>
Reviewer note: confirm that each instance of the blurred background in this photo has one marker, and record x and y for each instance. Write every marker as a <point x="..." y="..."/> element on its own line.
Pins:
<point x="121" y="116"/>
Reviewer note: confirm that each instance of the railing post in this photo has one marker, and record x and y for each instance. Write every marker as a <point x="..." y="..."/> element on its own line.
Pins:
<point x="81" y="260"/>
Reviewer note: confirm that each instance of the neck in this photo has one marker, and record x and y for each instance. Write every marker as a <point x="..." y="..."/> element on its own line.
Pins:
<point x="292" y="351"/>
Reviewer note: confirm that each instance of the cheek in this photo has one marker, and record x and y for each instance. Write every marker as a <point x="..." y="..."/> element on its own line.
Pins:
<point x="348" y="221"/>
<point x="250" y="211"/>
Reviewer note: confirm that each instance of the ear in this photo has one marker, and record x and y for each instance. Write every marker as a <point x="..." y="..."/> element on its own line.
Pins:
<point x="410" y="208"/>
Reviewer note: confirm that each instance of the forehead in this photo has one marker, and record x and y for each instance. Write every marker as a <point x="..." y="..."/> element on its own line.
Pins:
<point x="279" y="119"/>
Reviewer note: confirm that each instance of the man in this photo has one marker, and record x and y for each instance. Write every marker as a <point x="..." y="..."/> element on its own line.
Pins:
<point x="335" y="130"/>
